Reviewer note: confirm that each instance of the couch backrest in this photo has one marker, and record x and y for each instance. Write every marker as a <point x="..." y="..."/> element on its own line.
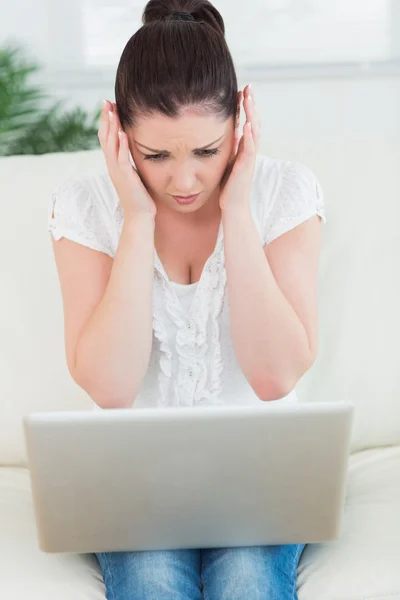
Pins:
<point x="359" y="353"/>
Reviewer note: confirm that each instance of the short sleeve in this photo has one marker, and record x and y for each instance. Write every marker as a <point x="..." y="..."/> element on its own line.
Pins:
<point x="76" y="213"/>
<point x="299" y="197"/>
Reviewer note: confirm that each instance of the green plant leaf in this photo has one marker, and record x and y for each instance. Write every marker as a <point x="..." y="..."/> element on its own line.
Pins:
<point x="26" y="127"/>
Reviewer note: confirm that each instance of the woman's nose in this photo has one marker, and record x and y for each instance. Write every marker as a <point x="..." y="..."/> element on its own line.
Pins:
<point x="184" y="183"/>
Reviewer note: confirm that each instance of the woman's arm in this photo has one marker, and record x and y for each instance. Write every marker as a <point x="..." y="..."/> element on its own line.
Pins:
<point x="114" y="347"/>
<point x="274" y="326"/>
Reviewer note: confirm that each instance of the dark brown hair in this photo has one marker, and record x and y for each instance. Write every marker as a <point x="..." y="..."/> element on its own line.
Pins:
<point x="169" y="64"/>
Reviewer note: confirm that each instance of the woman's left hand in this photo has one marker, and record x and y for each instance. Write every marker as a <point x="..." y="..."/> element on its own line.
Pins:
<point x="237" y="182"/>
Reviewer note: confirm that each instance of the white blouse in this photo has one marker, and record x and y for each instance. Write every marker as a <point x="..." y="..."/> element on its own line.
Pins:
<point x="192" y="360"/>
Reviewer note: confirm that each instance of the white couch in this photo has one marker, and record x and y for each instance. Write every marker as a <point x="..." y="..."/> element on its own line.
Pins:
<point x="359" y="360"/>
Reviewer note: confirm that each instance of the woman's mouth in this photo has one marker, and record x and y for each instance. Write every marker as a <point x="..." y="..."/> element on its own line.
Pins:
<point x="186" y="199"/>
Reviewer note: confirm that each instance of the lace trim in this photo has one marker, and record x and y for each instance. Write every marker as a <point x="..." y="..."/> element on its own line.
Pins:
<point x="160" y="333"/>
<point x="298" y="183"/>
<point x="299" y="197"/>
<point x="193" y="384"/>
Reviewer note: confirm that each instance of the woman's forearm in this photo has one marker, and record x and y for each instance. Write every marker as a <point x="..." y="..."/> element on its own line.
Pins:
<point x="114" y="349"/>
<point x="269" y="339"/>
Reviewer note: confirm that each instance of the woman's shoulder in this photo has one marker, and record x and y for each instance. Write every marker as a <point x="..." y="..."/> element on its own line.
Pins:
<point x="273" y="171"/>
<point x="85" y="208"/>
<point x="285" y="193"/>
<point x="94" y="186"/>
<point x="268" y="176"/>
<point x="273" y="176"/>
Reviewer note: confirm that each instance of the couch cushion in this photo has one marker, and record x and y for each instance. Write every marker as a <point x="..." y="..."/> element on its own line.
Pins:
<point x="28" y="573"/>
<point x="359" y="317"/>
<point x="361" y="564"/>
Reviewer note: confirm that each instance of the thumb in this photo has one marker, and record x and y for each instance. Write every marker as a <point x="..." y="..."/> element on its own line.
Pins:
<point x="240" y="147"/>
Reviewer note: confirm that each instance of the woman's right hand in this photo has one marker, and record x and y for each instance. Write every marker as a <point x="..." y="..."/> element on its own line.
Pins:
<point x="133" y="195"/>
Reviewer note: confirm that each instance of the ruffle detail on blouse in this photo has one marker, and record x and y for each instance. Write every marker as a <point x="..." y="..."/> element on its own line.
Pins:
<point x="217" y="304"/>
<point x="160" y="332"/>
<point x="197" y="379"/>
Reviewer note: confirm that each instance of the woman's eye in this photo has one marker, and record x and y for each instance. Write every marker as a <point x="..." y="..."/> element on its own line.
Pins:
<point x="201" y="153"/>
<point x="154" y="157"/>
<point x="206" y="153"/>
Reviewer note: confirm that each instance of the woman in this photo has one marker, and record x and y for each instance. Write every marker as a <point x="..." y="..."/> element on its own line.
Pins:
<point x="171" y="299"/>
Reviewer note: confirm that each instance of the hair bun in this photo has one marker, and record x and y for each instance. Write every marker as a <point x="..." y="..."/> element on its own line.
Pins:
<point x="201" y="10"/>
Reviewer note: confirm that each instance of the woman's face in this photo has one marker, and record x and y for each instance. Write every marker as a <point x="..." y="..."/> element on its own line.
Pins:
<point x="182" y="157"/>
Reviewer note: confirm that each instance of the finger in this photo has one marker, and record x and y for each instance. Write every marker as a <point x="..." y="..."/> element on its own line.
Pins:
<point x="248" y="153"/>
<point x="112" y="146"/>
<point x="249" y="144"/>
<point x="123" y="138"/>
<point x="236" y="139"/>
<point x="240" y="102"/>
<point x="102" y="133"/>
<point x="123" y="153"/>
<point x="236" y="134"/>
<point x="239" y="156"/>
<point x="115" y="113"/>
<point x="251" y="92"/>
<point x="248" y="106"/>
<point x="253" y="115"/>
<point x="240" y="147"/>
<point x="246" y="146"/>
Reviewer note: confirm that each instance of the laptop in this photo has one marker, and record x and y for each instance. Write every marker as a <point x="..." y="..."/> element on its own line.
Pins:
<point x="197" y="477"/>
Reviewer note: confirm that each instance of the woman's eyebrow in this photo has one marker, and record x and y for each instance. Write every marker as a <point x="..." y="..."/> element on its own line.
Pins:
<point x="167" y="152"/>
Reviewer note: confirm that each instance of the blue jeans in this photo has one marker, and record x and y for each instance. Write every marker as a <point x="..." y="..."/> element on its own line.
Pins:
<point x="245" y="573"/>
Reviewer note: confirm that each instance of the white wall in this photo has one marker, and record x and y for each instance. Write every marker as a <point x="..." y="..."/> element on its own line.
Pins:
<point x="305" y="104"/>
<point x="315" y="109"/>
